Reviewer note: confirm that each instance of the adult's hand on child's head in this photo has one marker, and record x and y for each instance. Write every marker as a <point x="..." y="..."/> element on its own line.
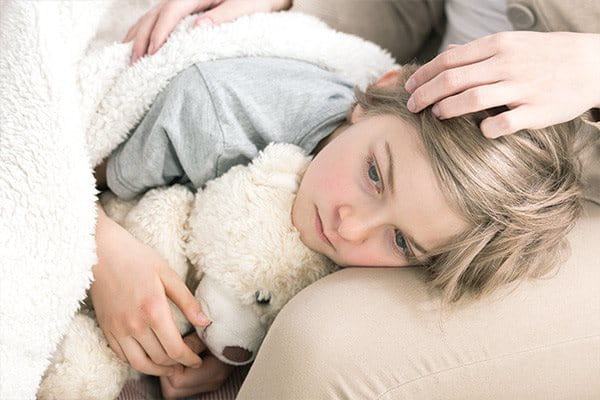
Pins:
<point x="129" y="293"/>
<point x="191" y="381"/>
<point x="153" y="28"/>
<point x="543" y="78"/>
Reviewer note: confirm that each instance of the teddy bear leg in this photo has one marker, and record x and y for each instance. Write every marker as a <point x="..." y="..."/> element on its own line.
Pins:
<point x="83" y="366"/>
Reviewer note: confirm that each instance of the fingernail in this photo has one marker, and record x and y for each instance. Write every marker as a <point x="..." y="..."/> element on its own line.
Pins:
<point x="197" y="365"/>
<point x="436" y="110"/>
<point x="411" y="104"/>
<point x="132" y="59"/>
<point x="203" y="319"/>
<point x="151" y="48"/>
<point x="410" y="85"/>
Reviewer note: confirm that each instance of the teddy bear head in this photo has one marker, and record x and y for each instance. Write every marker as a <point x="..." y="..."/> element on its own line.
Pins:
<point x="246" y="253"/>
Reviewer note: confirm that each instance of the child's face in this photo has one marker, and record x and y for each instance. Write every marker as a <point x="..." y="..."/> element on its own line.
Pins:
<point x="348" y="194"/>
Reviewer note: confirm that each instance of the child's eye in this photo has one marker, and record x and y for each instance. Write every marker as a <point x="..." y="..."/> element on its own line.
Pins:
<point x="400" y="242"/>
<point x="372" y="173"/>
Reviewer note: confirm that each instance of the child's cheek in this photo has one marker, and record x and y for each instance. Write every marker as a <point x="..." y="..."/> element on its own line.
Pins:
<point x="365" y="257"/>
<point x="335" y="182"/>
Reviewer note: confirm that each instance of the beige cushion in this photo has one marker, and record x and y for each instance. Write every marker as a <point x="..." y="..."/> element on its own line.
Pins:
<point x="380" y="334"/>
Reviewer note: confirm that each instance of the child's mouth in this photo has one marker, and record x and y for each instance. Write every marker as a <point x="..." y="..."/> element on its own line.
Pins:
<point x="319" y="228"/>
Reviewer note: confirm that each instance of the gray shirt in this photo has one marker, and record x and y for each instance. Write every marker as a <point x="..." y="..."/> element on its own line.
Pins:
<point x="217" y="114"/>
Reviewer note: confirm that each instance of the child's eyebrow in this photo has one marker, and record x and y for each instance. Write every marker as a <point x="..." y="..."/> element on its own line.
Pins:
<point x="390" y="180"/>
<point x="390" y="171"/>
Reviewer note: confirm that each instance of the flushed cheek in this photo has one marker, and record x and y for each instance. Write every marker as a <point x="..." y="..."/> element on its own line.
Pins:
<point x="336" y="181"/>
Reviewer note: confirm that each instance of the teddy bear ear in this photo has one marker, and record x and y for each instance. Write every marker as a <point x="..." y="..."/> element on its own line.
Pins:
<point x="280" y="165"/>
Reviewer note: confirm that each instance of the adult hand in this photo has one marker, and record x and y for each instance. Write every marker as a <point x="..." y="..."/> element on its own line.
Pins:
<point x="154" y="27"/>
<point x="129" y="293"/>
<point x="189" y="381"/>
<point x="543" y="78"/>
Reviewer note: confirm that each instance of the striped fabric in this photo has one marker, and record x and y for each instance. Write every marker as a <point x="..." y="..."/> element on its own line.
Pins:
<point x="148" y="388"/>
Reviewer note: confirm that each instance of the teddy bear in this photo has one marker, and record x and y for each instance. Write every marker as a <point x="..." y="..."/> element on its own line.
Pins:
<point x="232" y="242"/>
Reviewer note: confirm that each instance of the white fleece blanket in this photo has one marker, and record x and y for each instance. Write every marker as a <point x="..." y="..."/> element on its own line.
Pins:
<point x="67" y="98"/>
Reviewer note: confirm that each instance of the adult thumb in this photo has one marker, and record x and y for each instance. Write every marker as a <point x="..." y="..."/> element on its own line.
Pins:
<point x="178" y="293"/>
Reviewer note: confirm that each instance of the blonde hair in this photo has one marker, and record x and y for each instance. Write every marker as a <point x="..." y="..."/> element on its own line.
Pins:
<point x="520" y="194"/>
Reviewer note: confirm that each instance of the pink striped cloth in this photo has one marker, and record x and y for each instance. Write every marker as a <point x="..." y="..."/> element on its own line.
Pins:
<point x="148" y="388"/>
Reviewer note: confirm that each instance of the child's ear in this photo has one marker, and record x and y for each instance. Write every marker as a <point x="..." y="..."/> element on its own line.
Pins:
<point x="389" y="79"/>
<point x="356" y="114"/>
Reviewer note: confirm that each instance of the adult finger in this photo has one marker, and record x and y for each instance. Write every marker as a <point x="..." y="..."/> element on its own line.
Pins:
<point x="474" y="99"/>
<point x="452" y="81"/>
<point x="142" y="37"/>
<point x="131" y="32"/>
<point x="178" y="292"/>
<point x="229" y="10"/>
<point x="507" y="122"/>
<point x="139" y="360"/>
<point x="169" y="17"/>
<point x="154" y="349"/>
<point x="472" y="52"/>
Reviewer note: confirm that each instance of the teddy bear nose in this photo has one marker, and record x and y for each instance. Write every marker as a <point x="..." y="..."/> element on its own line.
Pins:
<point x="236" y="353"/>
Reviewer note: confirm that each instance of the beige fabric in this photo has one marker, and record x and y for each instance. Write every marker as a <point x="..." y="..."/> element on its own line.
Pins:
<point x="555" y="15"/>
<point x="409" y="29"/>
<point x="589" y="133"/>
<point x="380" y="334"/>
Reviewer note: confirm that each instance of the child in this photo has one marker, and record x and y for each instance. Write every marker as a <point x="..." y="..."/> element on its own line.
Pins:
<point x="386" y="188"/>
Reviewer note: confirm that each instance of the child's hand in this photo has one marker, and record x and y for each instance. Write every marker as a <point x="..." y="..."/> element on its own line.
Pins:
<point x="129" y="293"/>
<point x="153" y="28"/>
<point x="190" y="381"/>
<point x="543" y="78"/>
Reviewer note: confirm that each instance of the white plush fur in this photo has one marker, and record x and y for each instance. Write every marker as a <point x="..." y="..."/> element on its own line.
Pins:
<point x="68" y="98"/>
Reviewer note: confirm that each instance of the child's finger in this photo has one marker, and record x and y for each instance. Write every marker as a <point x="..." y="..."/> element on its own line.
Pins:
<point x="166" y="331"/>
<point x="194" y="342"/>
<point x="115" y="346"/>
<point x="140" y="361"/>
<point x="179" y="294"/>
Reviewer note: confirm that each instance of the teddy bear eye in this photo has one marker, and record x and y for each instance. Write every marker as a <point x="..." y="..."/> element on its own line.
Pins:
<point x="262" y="297"/>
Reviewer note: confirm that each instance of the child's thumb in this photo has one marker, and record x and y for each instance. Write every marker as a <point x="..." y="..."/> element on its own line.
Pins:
<point x="178" y="293"/>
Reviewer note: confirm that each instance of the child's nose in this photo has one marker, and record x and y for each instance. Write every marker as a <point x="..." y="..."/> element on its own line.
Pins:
<point x="353" y="227"/>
